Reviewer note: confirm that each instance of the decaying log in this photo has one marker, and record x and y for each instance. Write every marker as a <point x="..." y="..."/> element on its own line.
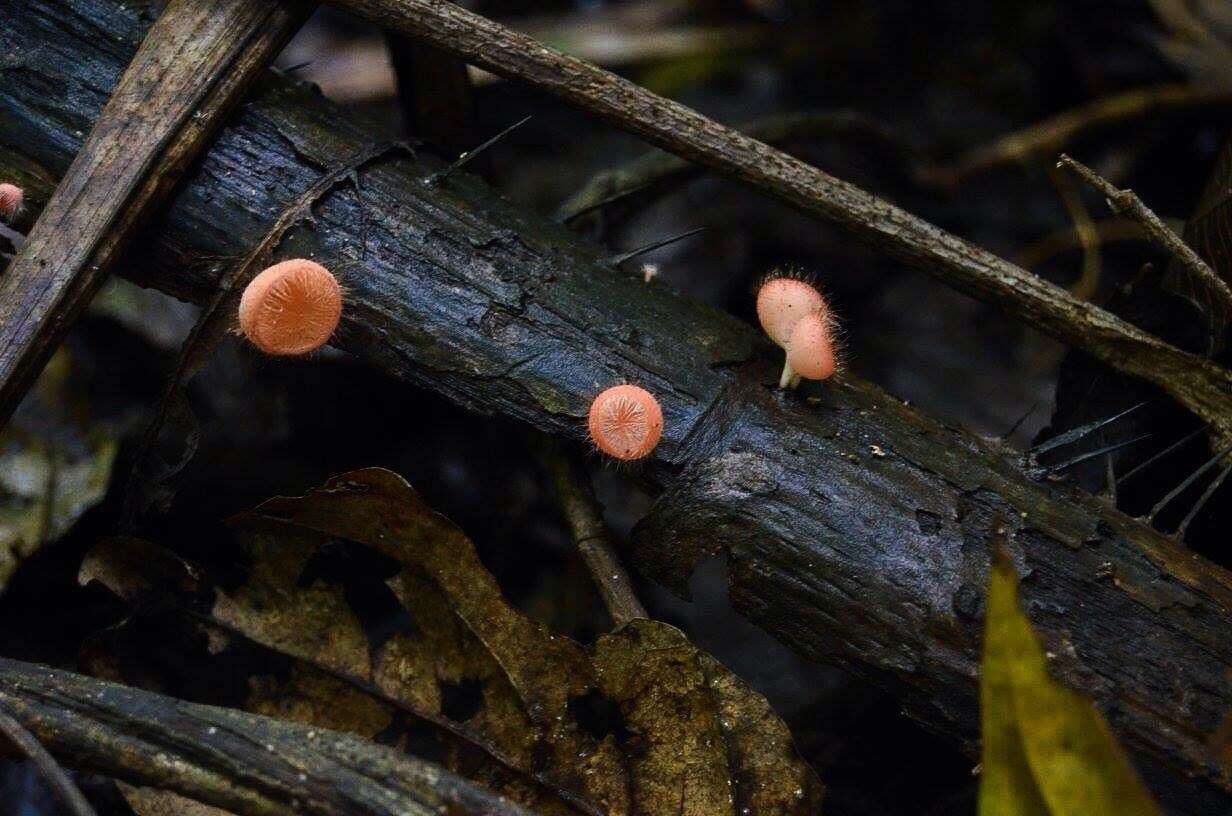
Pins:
<point x="856" y="529"/>
<point x="227" y="758"/>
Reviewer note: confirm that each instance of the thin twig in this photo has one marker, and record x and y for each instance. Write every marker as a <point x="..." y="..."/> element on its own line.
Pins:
<point x="1126" y="202"/>
<point x="34" y="751"/>
<point x="1074" y="434"/>
<point x="658" y="243"/>
<point x="1202" y="500"/>
<point x="1197" y="383"/>
<point x="1193" y="477"/>
<point x="469" y="156"/>
<point x="590" y="534"/>
<point x="1087" y="284"/>
<point x="1083" y="457"/>
<point x="1156" y="457"/>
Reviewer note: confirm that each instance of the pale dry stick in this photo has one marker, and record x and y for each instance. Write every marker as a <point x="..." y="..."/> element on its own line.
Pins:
<point x="1085" y="287"/>
<point x="1211" y="489"/>
<point x="590" y="533"/>
<point x="60" y="782"/>
<point x="1198" y="384"/>
<point x="1126" y="202"/>
<point x="194" y="64"/>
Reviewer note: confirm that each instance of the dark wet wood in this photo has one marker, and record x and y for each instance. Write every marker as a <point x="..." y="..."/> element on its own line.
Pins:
<point x="856" y="529"/>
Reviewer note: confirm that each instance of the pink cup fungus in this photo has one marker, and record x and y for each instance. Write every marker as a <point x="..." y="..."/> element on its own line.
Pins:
<point x="11" y="198"/>
<point x="626" y="422"/>
<point x="291" y="308"/>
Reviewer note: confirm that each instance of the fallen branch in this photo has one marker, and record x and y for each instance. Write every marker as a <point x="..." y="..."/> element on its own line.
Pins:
<point x="1196" y="383"/>
<point x="856" y="530"/>
<point x="240" y="762"/>
<point x="194" y="64"/>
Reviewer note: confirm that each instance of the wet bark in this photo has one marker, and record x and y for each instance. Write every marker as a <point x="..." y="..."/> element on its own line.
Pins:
<point x="856" y="529"/>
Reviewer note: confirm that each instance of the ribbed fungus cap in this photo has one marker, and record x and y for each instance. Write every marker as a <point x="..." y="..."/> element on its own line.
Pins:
<point x="626" y="422"/>
<point x="291" y="308"/>
<point x="11" y="198"/>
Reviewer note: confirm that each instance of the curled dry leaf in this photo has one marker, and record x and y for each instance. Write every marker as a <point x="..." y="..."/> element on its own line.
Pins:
<point x="643" y="722"/>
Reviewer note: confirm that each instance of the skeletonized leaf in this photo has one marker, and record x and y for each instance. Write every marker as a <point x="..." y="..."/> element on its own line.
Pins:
<point x="1047" y="749"/>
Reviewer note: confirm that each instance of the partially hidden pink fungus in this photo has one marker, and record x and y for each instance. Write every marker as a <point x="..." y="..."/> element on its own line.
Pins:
<point x="291" y="308"/>
<point x="11" y="198"/>
<point x="810" y="351"/>
<point x="781" y="301"/>
<point x="626" y="422"/>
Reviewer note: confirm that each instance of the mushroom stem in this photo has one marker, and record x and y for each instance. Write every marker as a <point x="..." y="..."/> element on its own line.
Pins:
<point x="786" y="381"/>
<point x="795" y="380"/>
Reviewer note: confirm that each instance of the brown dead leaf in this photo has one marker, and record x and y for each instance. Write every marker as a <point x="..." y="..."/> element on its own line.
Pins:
<point x="312" y="696"/>
<point x="643" y="723"/>
<point x="133" y="567"/>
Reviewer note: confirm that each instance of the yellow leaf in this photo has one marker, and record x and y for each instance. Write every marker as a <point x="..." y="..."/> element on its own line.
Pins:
<point x="1047" y="749"/>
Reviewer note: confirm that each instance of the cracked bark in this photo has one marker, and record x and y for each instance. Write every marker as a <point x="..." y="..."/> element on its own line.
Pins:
<point x="856" y="530"/>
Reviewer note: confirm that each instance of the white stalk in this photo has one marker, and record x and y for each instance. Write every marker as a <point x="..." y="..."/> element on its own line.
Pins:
<point x="785" y="381"/>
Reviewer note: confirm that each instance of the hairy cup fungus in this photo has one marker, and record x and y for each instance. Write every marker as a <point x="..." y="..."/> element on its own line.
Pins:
<point x="797" y="318"/>
<point x="11" y="197"/>
<point x="626" y="422"/>
<point x="291" y="308"/>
